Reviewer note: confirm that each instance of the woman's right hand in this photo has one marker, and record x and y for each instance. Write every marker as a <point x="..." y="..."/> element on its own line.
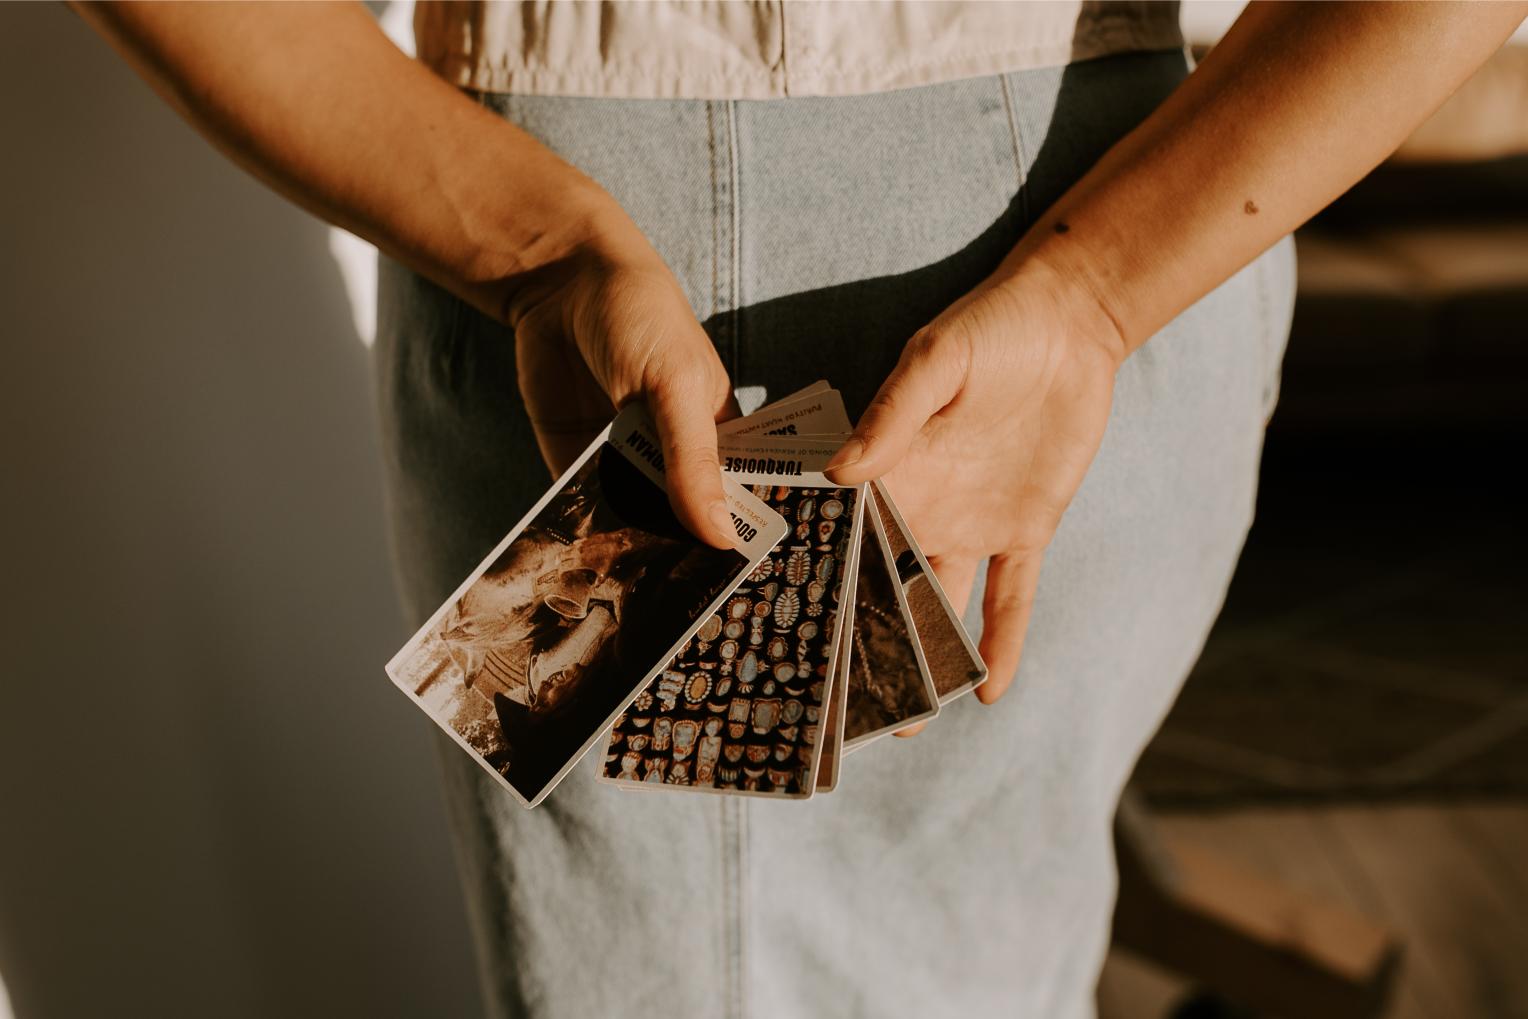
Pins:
<point x="608" y="324"/>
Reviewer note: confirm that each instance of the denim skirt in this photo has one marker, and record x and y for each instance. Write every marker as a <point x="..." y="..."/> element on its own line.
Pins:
<point x="968" y="871"/>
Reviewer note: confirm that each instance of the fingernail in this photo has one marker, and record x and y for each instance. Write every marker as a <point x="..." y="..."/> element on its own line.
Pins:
<point x="722" y="518"/>
<point x="851" y="453"/>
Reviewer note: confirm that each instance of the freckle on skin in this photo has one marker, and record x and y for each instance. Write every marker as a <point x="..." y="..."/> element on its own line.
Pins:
<point x="1250" y="208"/>
<point x="1061" y="227"/>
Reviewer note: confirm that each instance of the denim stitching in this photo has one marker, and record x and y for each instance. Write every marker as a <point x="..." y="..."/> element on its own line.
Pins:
<point x="1020" y="167"/>
<point x="742" y="908"/>
<point x="495" y="977"/>
<point x="731" y="916"/>
<point x="736" y="297"/>
<point x="734" y="873"/>
<point x="716" y="212"/>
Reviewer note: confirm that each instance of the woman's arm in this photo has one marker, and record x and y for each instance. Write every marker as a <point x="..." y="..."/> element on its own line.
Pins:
<point x="995" y="411"/>
<point x="316" y="101"/>
<point x="1294" y="106"/>
<point x="313" y="99"/>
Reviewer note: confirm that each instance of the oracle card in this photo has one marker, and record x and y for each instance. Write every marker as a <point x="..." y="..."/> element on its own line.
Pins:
<point x="817" y="410"/>
<point x="889" y="686"/>
<point x="952" y="659"/>
<point x="815" y="387"/>
<point x="575" y="611"/>
<point x="901" y="691"/>
<point x="816" y="413"/>
<point x="833" y="724"/>
<point x="741" y="707"/>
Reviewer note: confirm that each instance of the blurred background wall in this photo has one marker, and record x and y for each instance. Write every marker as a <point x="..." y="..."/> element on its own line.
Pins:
<point x="1332" y="822"/>
<point x="212" y="801"/>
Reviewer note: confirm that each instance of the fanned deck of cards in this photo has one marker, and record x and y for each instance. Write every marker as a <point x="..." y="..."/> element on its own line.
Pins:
<point x="599" y="623"/>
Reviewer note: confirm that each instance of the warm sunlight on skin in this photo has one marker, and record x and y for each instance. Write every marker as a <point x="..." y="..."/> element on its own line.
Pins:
<point x="1293" y="106"/>
<point x="987" y="426"/>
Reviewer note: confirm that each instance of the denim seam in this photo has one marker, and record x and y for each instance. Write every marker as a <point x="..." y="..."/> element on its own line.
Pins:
<point x="716" y="212"/>
<point x="735" y="205"/>
<point x="742" y="908"/>
<point x="734" y="869"/>
<point x="499" y="917"/>
<point x="723" y="205"/>
<point x="731" y="914"/>
<point x="1020" y="169"/>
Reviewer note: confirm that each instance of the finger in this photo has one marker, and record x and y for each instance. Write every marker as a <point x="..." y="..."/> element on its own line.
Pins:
<point x="911" y="730"/>
<point x="688" y="433"/>
<point x="957" y="575"/>
<point x="1011" y="584"/>
<point x="925" y="380"/>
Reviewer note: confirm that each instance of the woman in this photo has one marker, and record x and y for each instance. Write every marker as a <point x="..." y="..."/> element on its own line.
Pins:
<point x="972" y="219"/>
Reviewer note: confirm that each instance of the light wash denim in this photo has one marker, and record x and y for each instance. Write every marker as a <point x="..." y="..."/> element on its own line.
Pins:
<point x="967" y="872"/>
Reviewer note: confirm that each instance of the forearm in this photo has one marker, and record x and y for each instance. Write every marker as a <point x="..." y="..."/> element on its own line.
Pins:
<point x="318" y="103"/>
<point x="1294" y="106"/>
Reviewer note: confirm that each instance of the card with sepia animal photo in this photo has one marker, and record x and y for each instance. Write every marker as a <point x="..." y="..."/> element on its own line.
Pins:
<point x="954" y="664"/>
<point x="572" y="615"/>
<point x="741" y="708"/>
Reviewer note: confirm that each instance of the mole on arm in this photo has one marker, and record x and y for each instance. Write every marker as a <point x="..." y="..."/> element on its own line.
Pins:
<point x="1061" y="226"/>
<point x="1250" y="208"/>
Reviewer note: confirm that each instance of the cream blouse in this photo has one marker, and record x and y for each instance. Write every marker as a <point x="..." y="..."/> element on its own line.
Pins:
<point x="766" y="49"/>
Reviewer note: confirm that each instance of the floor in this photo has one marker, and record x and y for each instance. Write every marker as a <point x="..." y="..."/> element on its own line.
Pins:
<point x="1357" y="727"/>
<point x="1371" y="643"/>
<point x="1450" y="880"/>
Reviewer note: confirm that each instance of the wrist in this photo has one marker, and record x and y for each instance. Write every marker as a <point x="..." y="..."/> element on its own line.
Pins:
<point x="1096" y="249"/>
<point x="1079" y="304"/>
<point x="523" y="243"/>
<point x="508" y="217"/>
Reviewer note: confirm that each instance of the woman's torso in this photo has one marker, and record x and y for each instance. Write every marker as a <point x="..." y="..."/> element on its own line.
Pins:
<point x="769" y="49"/>
<point x="967" y="871"/>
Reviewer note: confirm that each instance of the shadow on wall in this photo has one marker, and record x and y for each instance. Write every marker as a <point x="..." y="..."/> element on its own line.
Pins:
<point x="213" y="801"/>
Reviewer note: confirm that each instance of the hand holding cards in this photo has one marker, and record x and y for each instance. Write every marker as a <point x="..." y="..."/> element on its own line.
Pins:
<point x="712" y="669"/>
<point x="539" y="650"/>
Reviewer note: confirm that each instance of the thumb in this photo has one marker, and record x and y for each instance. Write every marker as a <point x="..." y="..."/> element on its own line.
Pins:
<point x="927" y="377"/>
<point x="687" y="431"/>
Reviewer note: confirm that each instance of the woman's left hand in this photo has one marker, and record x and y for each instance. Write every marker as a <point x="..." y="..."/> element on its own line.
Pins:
<point x="984" y="431"/>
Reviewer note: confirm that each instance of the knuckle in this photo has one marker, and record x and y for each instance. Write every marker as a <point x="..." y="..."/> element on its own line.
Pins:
<point x="688" y="382"/>
<point x="691" y="453"/>
<point x="1010" y="604"/>
<point x="924" y="342"/>
<point x="1030" y="538"/>
<point x="941" y="355"/>
<point x="895" y="393"/>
